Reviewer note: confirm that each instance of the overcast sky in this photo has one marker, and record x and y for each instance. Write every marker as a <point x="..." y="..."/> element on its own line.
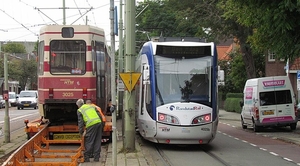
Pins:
<point x="20" y="20"/>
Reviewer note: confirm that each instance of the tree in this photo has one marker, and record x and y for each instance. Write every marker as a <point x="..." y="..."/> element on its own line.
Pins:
<point x="28" y="74"/>
<point x="152" y="22"/>
<point x="14" y="48"/>
<point x="275" y="24"/>
<point x="203" y="19"/>
<point x="22" y="70"/>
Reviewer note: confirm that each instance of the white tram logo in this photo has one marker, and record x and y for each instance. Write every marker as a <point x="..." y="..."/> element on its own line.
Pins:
<point x="172" y="107"/>
<point x="164" y="129"/>
<point x="67" y="81"/>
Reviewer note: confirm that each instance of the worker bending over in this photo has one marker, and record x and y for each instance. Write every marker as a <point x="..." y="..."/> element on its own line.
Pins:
<point x="90" y="126"/>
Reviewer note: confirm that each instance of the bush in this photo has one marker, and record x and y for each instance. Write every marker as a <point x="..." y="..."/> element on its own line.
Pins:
<point x="234" y="95"/>
<point x="232" y="102"/>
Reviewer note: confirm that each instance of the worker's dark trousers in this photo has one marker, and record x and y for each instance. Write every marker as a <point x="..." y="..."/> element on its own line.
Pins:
<point x="92" y="141"/>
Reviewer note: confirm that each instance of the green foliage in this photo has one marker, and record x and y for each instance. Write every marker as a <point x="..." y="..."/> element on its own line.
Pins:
<point x="234" y="95"/>
<point x="275" y="24"/>
<point x="202" y="19"/>
<point x="22" y="70"/>
<point x="13" y="48"/>
<point x="36" y="46"/>
<point x="232" y="102"/>
<point x="235" y="79"/>
<point x="29" y="70"/>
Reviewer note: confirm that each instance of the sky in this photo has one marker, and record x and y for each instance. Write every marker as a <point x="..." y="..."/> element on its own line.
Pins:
<point x="20" y="20"/>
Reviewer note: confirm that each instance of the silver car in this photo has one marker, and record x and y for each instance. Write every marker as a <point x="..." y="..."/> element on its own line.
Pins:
<point x="2" y="102"/>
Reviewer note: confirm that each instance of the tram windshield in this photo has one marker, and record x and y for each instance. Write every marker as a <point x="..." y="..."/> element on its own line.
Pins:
<point x="180" y="80"/>
<point x="67" y="57"/>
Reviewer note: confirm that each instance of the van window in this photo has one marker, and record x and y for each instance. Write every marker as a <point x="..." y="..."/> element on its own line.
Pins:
<point x="275" y="97"/>
<point x="12" y="96"/>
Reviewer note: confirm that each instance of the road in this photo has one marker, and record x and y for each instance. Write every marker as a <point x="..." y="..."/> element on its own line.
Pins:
<point x="232" y="146"/>
<point x="17" y="118"/>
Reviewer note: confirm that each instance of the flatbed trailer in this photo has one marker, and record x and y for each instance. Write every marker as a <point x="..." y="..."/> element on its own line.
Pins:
<point x="44" y="146"/>
<point x="33" y="127"/>
<point x="38" y="150"/>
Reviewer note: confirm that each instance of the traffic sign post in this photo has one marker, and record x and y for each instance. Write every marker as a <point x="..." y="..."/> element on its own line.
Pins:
<point x="130" y="79"/>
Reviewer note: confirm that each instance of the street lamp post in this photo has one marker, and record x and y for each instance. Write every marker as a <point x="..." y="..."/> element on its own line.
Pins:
<point x="6" y="116"/>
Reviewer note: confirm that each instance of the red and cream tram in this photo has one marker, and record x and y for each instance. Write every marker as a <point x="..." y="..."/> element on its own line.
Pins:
<point x="73" y="63"/>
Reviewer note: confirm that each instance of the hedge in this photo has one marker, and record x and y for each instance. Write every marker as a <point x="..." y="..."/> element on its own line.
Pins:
<point x="232" y="102"/>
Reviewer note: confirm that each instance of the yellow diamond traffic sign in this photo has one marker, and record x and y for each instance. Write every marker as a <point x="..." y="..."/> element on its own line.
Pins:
<point x="130" y="79"/>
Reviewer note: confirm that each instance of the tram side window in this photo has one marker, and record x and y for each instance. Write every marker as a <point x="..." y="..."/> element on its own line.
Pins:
<point x="148" y="100"/>
<point x="68" y="57"/>
<point x="41" y="58"/>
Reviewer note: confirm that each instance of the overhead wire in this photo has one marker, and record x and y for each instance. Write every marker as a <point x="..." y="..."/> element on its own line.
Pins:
<point x="45" y="22"/>
<point x="33" y="8"/>
<point x="79" y="10"/>
<point x="18" y="22"/>
<point x="93" y="14"/>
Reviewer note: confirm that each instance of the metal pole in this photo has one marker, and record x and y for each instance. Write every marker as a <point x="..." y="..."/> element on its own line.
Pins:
<point x="113" y="86"/>
<point x="121" y="70"/>
<point x="64" y="12"/>
<point x="6" y="116"/>
<point x="129" y="97"/>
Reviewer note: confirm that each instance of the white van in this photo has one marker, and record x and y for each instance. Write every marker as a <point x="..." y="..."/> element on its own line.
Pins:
<point x="12" y="98"/>
<point x="269" y="101"/>
<point x="28" y="98"/>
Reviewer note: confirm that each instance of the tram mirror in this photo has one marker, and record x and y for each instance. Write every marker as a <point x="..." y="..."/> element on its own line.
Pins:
<point x="146" y="74"/>
<point x="221" y="75"/>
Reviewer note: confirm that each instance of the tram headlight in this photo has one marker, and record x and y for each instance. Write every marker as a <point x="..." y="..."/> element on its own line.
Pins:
<point x="202" y="119"/>
<point x="167" y="119"/>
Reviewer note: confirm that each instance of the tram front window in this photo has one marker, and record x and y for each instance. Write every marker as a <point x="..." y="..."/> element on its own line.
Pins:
<point x="183" y="80"/>
<point x="67" y="57"/>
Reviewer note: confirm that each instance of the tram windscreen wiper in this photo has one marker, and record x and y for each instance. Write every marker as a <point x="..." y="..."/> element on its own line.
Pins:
<point x="159" y="96"/>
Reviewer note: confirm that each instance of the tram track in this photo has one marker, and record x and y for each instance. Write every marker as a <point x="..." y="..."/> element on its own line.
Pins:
<point x="163" y="157"/>
<point x="221" y="161"/>
<point x="167" y="161"/>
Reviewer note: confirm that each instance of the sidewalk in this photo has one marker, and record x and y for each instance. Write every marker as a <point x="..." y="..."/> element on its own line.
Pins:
<point x="140" y="157"/>
<point x="127" y="159"/>
<point x="123" y="159"/>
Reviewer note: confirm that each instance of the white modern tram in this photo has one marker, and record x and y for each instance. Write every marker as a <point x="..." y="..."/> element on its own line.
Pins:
<point x="177" y="93"/>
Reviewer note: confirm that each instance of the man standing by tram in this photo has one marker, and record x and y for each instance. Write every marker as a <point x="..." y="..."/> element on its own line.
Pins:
<point x="90" y="119"/>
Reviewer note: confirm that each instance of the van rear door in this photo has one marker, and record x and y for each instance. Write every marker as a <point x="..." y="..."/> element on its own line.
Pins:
<point x="268" y="108"/>
<point x="285" y="106"/>
<point x="276" y="102"/>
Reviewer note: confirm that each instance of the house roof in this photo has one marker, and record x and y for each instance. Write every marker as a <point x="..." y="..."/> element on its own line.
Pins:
<point x="223" y="52"/>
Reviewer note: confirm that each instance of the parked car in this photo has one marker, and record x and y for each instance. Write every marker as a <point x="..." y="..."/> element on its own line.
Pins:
<point x="2" y="102"/>
<point x="28" y="98"/>
<point x="12" y="99"/>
